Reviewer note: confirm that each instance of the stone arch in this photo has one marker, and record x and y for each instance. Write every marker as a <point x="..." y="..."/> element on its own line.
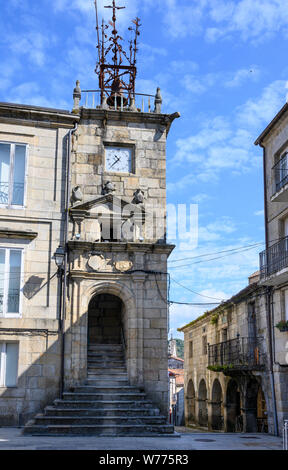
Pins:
<point x="234" y="418"/>
<point x="202" y="404"/>
<point x="190" y="402"/>
<point x="129" y="316"/>
<point x="256" y="407"/>
<point x="217" y="409"/>
<point x="105" y="322"/>
<point x="115" y="288"/>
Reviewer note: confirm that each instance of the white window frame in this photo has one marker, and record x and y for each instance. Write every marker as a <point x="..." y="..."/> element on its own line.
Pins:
<point x="6" y="314"/>
<point x="11" y="173"/>
<point x="285" y="304"/>
<point x="3" y="362"/>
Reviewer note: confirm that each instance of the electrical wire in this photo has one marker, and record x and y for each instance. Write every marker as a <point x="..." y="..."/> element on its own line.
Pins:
<point x="194" y="292"/>
<point x="207" y="260"/>
<point x="217" y="252"/>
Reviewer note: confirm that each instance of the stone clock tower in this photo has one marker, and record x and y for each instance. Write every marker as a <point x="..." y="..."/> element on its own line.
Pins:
<point x="117" y="282"/>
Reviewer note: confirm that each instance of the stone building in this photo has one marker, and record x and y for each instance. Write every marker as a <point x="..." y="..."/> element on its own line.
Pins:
<point x="227" y="385"/>
<point x="274" y="260"/>
<point x="83" y="260"/>
<point x="176" y="384"/>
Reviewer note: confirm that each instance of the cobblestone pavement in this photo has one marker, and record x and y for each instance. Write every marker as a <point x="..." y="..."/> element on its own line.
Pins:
<point x="13" y="439"/>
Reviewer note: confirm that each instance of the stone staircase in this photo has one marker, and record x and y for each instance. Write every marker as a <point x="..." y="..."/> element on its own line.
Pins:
<point x="105" y="404"/>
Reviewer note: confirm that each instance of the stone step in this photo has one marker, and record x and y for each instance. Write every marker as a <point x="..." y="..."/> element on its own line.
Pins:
<point x="100" y="430"/>
<point x="100" y="389"/>
<point x="104" y="364"/>
<point x="106" y="383"/>
<point x="103" y="412"/>
<point x="105" y="370"/>
<point x="106" y="354"/>
<point x="105" y="347"/>
<point x="104" y="396"/>
<point x="104" y="404"/>
<point x="99" y="420"/>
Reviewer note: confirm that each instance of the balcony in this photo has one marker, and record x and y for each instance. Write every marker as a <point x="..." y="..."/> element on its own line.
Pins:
<point x="280" y="172"/>
<point x="274" y="263"/>
<point x="236" y="356"/>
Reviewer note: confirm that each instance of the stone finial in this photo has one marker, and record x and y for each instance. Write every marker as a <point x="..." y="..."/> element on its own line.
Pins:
<point x="108" y="188"/>
<point x="77" y="195"/>
<point x="138" y="197"/>
<point x="76" y="96"/>
<point x="158" y="101"/>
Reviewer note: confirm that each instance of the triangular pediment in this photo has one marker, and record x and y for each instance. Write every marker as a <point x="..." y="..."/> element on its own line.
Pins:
<point x="106" y="203"/>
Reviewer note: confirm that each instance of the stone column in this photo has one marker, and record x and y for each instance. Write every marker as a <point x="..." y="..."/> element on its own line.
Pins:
<point x="225" y="414"/>
<point x="210" y="414"/>
<point x="138" y="280"/>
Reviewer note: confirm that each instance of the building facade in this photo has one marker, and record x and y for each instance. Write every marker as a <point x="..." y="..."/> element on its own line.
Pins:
<point x="83" y="249"/>
<point x="274" y="259"/>
<point x="227" y="385"/>
<point x="33" y="152"/>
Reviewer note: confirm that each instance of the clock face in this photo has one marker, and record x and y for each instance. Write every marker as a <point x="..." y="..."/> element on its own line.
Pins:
<point x="118" y="159"/>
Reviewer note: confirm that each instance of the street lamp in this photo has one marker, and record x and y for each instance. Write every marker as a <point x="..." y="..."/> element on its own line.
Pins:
<point x="59" y="258"/>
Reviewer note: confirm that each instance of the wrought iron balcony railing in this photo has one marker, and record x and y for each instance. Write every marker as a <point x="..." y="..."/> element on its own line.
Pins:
<point x="274" y="259"/>
<point x="236" y="354"/>
<point x="281" y="173"/>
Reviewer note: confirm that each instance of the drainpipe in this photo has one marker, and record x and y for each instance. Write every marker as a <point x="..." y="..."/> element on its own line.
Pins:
<point x="268" y="300"/>
<point x="64" y="272"/>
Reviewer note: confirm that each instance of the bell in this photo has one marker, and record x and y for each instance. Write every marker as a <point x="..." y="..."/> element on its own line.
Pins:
<point x="117" y="94"/>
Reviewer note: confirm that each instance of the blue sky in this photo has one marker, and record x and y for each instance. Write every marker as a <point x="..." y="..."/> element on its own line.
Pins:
<point x="221" y="64"/>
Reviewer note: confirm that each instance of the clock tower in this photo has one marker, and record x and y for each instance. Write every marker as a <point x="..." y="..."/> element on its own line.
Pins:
<point x="117" y="262"/>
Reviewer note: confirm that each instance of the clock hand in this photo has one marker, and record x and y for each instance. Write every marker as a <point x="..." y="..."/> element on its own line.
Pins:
<point x="116" y="161"/>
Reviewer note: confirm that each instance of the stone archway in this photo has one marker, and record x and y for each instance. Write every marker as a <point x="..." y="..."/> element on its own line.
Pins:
<point x="262" y="415"/>
<point x="234" y="421"/>
<point x="105" y="323"/>
<point x="217" y="414"/>
<point x="190" y="402"/>
<point x="202" y="404"/>
<point x="255" y="406"/>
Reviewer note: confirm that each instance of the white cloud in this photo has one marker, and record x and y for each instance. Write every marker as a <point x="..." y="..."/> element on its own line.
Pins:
<point x="242" y="76"/>
<point x="32" y="44"/>
<point x="254" y="20"/>
<point x="223" y="143"/>
<point x="259" y="213"/>
<point x="250" y="20"/>
<point x="199" y="198"/>
<point x="260" y="111"/>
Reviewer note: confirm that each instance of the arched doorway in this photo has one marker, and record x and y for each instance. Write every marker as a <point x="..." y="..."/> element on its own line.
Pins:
<point x="190" y="402"/>
<point x="202" y="400"/>
<point x="217" y="414"/>
<point x="234" y="421"/>
<point x="105" y="320"/>
<point x="262" y="416"/>
<point x="256" y="408"/>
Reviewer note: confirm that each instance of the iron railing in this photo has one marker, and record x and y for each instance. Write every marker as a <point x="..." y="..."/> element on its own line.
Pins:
<point x="13" y="196"/>
<point x="142" y="102"/>
<point x="274" y="259"/>
<point x="243" y="353"/>
<point x="285" y="435"/>
<point x="280" y="173"/>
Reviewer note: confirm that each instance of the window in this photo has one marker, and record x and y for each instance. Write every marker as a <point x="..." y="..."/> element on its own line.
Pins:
<point x="190" y="348"/>
<point x="10" y="281"/>
<point x="8" y="364"/>
<point x="12" y="173"/>
<point x="285" y="316"/>
<point x="224" y="334"/>
<point x="204" y="345"/>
